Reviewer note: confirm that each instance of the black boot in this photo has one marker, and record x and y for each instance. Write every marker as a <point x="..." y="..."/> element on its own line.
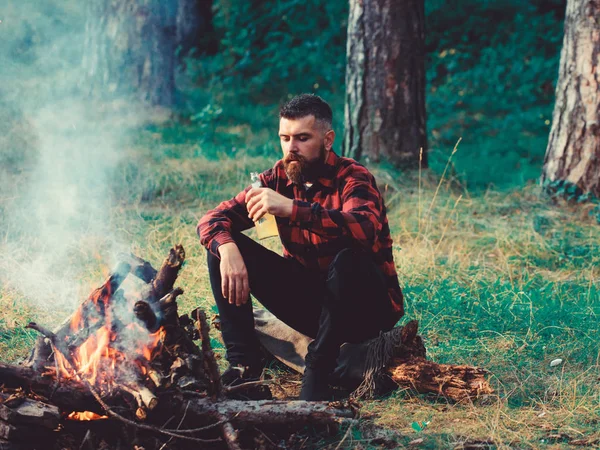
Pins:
<point x="237" y="374"/>
<point x="315" y="385"/>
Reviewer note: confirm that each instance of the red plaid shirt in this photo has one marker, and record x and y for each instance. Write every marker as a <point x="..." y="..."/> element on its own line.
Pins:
<point x="343" y="208"/>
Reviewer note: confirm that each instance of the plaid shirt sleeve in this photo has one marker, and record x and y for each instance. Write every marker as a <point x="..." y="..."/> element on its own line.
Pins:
<point x="217" y="225"/>
<point x="359" y="216"/>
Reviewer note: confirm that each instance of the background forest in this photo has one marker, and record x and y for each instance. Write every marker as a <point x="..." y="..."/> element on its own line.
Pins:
<point x="498" y="275"/>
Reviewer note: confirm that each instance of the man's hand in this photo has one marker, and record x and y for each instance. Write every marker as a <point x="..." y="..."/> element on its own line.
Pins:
<point x="234" y="276"/>
<point x="260" y="201"/>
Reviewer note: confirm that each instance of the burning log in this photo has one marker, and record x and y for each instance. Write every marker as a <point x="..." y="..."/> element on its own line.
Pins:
<point x="143" y="312"/>
<point x="67" y="395"/>
<point x="168" y="306"/>
<point x="91" y="312"/>
<point x="140" y="268"/>
<point x="165" y="278"/>
<point x="149" y="400"/>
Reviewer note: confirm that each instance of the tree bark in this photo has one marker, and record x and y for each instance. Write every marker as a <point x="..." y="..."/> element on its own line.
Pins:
<point x="573" y="152"/>
<point x="385" y="82"/>
<point x="458" y="383"/>
<point x="195" y="31"/>
<point x="70" y="395"/>
<point x="130" y="49"/>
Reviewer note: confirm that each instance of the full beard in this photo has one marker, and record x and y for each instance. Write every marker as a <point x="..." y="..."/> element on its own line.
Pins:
<point x="300" y="170"/>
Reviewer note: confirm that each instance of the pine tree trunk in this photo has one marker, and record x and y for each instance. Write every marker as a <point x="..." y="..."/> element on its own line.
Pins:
<point x="573" y="153"/>
<point x="195" y="31"/>
<point x="130" y="49"/>
<point x="385" y="82"/>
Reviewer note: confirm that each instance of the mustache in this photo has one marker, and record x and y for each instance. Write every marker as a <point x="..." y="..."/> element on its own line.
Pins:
<point x="290" y="158"/>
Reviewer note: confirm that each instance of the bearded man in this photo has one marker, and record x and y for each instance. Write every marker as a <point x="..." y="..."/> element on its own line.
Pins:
<point x="336" y="281"/>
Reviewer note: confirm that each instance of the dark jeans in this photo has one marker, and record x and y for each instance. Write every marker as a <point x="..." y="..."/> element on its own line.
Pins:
<point x="348" y="304"/>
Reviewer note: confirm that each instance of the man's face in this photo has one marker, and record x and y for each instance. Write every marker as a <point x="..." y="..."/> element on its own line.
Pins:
<point x="305" y="145"/>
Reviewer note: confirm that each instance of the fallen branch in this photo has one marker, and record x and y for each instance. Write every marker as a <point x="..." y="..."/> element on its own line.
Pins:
<point x="166" y="276"/>
<point x="457" y="382"/>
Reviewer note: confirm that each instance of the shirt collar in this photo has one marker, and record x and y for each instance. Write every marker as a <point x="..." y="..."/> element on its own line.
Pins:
<point x="327" y="172"/>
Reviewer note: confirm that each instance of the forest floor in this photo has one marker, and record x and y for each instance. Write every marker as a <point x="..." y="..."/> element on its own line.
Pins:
<point x="504" y="280"/>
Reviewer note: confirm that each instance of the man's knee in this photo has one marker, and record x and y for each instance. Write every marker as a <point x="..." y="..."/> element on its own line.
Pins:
<point x="353" y="278"/>
<point x="347" y="262"/>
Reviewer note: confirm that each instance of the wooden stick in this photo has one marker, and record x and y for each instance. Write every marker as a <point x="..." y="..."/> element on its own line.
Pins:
<point x="166" y="275"/>
<point x="56" y="343"/>
<point x="93" y="309"/>
<point x="210" y="362"/>
<point x="244" y="386"/>
<point x="170" y="298"/>
<point x="143" y="312"/>
<point x="141" y="268"/>
<point x="230" y="436"/>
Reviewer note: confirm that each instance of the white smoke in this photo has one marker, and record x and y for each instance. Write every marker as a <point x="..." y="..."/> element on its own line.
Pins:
<point x="64" y="210"/>
<point x="56" y="206"/>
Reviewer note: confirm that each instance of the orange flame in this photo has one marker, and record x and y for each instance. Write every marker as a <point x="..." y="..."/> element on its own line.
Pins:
<point x="98" y="361"/>
<point x="85" y="415"/>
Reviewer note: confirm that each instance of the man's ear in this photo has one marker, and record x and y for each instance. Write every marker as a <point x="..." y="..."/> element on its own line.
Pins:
<point x="328" y="140"/>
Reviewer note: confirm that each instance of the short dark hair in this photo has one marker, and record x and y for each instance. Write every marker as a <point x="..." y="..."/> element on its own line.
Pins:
<point x="307" y="105"/>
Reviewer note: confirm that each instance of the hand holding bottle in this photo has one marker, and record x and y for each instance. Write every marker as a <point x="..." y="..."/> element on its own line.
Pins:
<point x="263" y="204"/>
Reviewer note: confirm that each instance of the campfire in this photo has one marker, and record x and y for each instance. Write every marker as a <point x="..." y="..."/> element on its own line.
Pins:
<point x="126" y="369"/>
<point x="128" y="361"/>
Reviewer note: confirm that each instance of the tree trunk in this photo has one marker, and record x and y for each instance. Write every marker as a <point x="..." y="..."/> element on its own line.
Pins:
<point x="130" y="49"/>
<point x="385" y="82"/>
<point x="195" y="31"/>
<point x="573" y="153"/>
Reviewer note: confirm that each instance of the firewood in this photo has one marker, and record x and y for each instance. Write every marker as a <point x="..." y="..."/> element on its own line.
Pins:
<point x="210" y="362"/>
<point x="168" y="306"/>
<point x="58" y="344"/>
<point x="456" y="382"/>
<point x="230" y="436"/>
<point x="153" y="375"/>
<point x="169" y="299"/>
<point x="40" y="355"/>
<point x="90" y="315"/>
<point x="167" y="274"/>
<point x="140" y="268"/>
<point x="93" y="308"/>
<point x="72" y="396"/>
<point x="31" y="412"/>
<point x="68" y="395"/>
<point x="143" y="312"/>
<point x="296" y="413"/>
<point x="144" y="397"/>
<point x="148" y="398"/>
